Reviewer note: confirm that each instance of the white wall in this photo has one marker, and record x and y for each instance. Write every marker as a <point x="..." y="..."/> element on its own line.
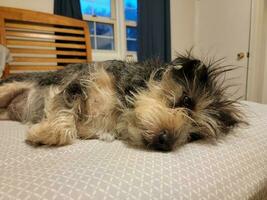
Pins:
<point x="36" y="5"/>
<point x="182" y="25"/>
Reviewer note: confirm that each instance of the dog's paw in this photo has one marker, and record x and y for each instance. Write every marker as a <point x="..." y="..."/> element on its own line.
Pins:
<point x="33" y="139"/>
<point x="37" y="136"/>
<point x="44" y="134"/>
<point x="108" y="137"/>
<point x="33" y="143"/>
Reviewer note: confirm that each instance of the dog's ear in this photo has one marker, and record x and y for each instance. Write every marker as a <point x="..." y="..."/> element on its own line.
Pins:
<point x="133" y="84"/>
<point x="229" y="118"/>
<point x="185" y="68"/>
<point x="203" y="75"/>
<point x="72" y="92"/>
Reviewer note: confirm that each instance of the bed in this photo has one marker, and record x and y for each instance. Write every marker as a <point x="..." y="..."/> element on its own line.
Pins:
<point x="235" y="167"/>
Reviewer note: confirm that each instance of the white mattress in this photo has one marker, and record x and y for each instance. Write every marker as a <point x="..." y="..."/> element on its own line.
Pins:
<point x="233" y="168"/>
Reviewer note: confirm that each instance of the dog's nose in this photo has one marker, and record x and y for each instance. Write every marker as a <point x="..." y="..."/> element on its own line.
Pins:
<point x="163" y="137"/>
<point x="163" y="141"/>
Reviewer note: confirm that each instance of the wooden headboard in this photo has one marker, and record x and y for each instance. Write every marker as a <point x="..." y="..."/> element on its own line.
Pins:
<point x="40" y="41"/>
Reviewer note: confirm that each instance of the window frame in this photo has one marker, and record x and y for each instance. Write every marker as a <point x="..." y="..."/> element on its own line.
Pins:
<point x="106" y="20"/>
<point x="132" y="24"/>
<point x="129" y="23"/>
<point x="119" y="23"/>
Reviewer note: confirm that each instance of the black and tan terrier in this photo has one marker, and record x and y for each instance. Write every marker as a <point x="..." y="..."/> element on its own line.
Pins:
<point x="150" y="104"/>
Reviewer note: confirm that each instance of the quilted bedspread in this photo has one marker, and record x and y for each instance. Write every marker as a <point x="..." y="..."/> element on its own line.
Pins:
<point x="235" y="167"/>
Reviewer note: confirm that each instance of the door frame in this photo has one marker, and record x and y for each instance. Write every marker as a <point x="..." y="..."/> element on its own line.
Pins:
<point x="256" y="50"/>
<point x="198" y="51"/>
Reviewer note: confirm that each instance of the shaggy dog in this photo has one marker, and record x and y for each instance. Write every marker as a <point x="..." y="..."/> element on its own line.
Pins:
<point x="150" y="104"/>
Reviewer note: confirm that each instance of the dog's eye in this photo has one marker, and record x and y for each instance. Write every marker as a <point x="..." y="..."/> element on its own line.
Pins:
<point x="187" y="102"/>
<point x="194" y="136"/>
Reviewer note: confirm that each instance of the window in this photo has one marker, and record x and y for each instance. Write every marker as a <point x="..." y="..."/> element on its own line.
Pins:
<point x="102" y="36"/>
<point x="131" y="36"/>
<point x="99" y="15"/>
<point x="112" y="25"/>
<point x="96" y="7"/>
<point x="130" y="10"/>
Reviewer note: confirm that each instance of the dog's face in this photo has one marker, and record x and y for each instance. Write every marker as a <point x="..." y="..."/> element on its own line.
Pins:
<point x="187" y="104"/>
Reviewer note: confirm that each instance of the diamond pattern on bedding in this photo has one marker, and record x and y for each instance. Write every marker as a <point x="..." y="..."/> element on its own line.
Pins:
<point x="232" y="168"/>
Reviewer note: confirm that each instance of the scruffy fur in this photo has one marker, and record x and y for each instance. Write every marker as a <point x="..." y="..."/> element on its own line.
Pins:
<point x="187" y="104"/>
<point x="150" y="104"/>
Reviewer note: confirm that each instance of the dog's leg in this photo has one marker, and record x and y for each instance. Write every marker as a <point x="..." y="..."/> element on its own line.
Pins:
<point x="4" y="114"/>
<point x="13" y="97"/>
<point x="58" y="130"/>
<point x="58" y="127"/>
<point x="84" y="132"/>
<point x="9" y="91"/>
<point x="97" y="130"/>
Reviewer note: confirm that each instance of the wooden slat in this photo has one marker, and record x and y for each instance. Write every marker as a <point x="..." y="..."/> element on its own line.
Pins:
<point x="43" y="28"/>
<point x="88" y="43"/>
<point x="39" y="17"/>
<point x="45" y="51"/>
<point x="34" y="68"/>
<point x="43" y="36"/>
<point x="44" y="44"/>
<point x="3" y="42"/>
<point x="48" y="60"/>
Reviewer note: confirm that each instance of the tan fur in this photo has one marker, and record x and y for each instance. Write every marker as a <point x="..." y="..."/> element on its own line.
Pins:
<point x="10" y="90"/>
<point x="152" y="114"/>
<point x="12" y="100"/>
<point x="102" y="106"/>
<point x="4" y="114"/>
<point x="58" y="127"/>
<point x="58" y="131"/>
<point x="96" y="117"/>
<point x="60" y="124"/>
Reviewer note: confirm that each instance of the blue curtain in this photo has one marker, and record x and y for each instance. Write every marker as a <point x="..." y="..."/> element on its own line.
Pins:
<point x="154" y="37"/>
<point x="68" y="8"/>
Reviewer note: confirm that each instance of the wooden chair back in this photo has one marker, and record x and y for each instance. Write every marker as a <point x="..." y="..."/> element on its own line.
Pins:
<point x="40" y="41"/>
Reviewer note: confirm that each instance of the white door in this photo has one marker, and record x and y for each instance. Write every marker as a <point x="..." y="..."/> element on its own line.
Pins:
<point x="223" y="31"/>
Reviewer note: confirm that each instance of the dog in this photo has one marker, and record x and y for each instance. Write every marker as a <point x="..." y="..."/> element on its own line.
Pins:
<point x="151" y="104"/>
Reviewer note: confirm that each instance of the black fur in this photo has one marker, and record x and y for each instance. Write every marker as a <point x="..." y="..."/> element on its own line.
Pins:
<point x="128" y="76"/>
<point x="48" y="78"/>
<point x="131" y="77"/>
<point x="200" y="80"/>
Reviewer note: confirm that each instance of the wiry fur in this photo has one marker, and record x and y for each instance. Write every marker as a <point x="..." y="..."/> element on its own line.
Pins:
<point x="82" y="105"/>
<point x="160" y="117"/>
<point x="141" y="103"/>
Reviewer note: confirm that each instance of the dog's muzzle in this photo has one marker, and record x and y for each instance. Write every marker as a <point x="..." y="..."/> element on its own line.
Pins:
<point x="163" y="141"/>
